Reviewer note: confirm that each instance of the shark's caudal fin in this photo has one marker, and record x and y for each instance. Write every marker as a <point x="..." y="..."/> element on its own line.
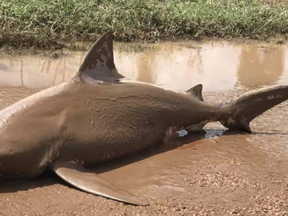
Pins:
<point x="240" y="112"/>
<point x="99" y="61"/>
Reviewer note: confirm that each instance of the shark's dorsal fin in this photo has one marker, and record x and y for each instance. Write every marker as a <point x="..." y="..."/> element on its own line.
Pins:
<point x="99" y="61"/>
<point x="196" y="91"/>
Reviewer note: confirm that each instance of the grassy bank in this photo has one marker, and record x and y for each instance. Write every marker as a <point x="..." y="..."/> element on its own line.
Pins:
<point x="50" y="23"/>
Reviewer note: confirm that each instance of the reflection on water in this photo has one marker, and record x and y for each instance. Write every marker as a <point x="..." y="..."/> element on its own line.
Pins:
<point x="262" y="66"/>
<point x="219" y="66"/>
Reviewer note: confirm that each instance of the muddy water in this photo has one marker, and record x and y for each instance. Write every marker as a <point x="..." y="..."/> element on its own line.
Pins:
<point x="219" y="66"/>
<point x="213" y="172"/>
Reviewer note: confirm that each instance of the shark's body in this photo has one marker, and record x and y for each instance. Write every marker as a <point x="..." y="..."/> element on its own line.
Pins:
<point x="95" y="118"/>
<point x="93" y="124"/>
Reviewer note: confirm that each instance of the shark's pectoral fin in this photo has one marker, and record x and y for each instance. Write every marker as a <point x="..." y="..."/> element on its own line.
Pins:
<point x="98" y="65"/>
<point x="81" y="178"/>
<point x="196" y="91"/>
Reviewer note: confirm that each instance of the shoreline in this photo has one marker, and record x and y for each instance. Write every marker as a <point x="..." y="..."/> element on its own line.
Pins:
<point x="53" y="25"/>
<point x="134" y="45"/>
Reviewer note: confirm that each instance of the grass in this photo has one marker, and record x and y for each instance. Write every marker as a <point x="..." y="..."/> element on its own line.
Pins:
<point x="52" y="23"/>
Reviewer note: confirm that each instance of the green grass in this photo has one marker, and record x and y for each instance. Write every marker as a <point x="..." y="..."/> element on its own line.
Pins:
<point x="51" y="23"/>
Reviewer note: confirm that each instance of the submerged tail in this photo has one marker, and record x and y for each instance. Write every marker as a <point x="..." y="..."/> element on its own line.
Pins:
<point x="240" y="112"/>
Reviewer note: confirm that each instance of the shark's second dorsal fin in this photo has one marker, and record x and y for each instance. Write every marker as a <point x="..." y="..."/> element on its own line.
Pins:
<point x="196" y="91"/>
<point x="99" y="62"/>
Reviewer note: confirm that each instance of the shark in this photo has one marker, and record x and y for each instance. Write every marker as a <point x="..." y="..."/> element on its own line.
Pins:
<point x="98" y="117"/>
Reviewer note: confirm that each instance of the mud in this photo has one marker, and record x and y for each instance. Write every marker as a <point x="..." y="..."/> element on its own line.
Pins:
<point x="211" y="173"/>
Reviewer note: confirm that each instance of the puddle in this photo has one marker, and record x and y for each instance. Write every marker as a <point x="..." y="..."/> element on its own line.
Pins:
<point x="212" y="167"/>
<point x="218" y="66"/>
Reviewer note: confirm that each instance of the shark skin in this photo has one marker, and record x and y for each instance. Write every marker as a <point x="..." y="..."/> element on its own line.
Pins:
<point x="98" y="117"/>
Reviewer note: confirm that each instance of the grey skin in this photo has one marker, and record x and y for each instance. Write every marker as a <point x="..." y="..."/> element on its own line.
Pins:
<point x="96" y="118"/>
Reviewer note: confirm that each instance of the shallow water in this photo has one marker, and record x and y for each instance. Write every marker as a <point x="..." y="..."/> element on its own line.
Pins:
<point x="205" y="172"/>
<point x="219" y="66"/>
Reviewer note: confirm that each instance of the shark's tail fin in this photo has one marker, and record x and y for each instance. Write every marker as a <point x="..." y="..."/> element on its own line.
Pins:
<point x="240" y="112"/>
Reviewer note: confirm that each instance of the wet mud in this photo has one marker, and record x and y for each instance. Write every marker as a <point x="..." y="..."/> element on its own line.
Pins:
<point x="214" y="172"/>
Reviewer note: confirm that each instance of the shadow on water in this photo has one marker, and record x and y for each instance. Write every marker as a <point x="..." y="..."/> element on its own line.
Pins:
<point x="174" y="143"/>
<point x="46" y="179"/>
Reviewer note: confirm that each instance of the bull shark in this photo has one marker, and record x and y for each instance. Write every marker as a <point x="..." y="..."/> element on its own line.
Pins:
<point x="98" y="117"/>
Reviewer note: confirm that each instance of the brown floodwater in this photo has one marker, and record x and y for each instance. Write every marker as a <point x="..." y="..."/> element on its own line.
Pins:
<point x="218" y="66"/>
<point x="205" y="173"/>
